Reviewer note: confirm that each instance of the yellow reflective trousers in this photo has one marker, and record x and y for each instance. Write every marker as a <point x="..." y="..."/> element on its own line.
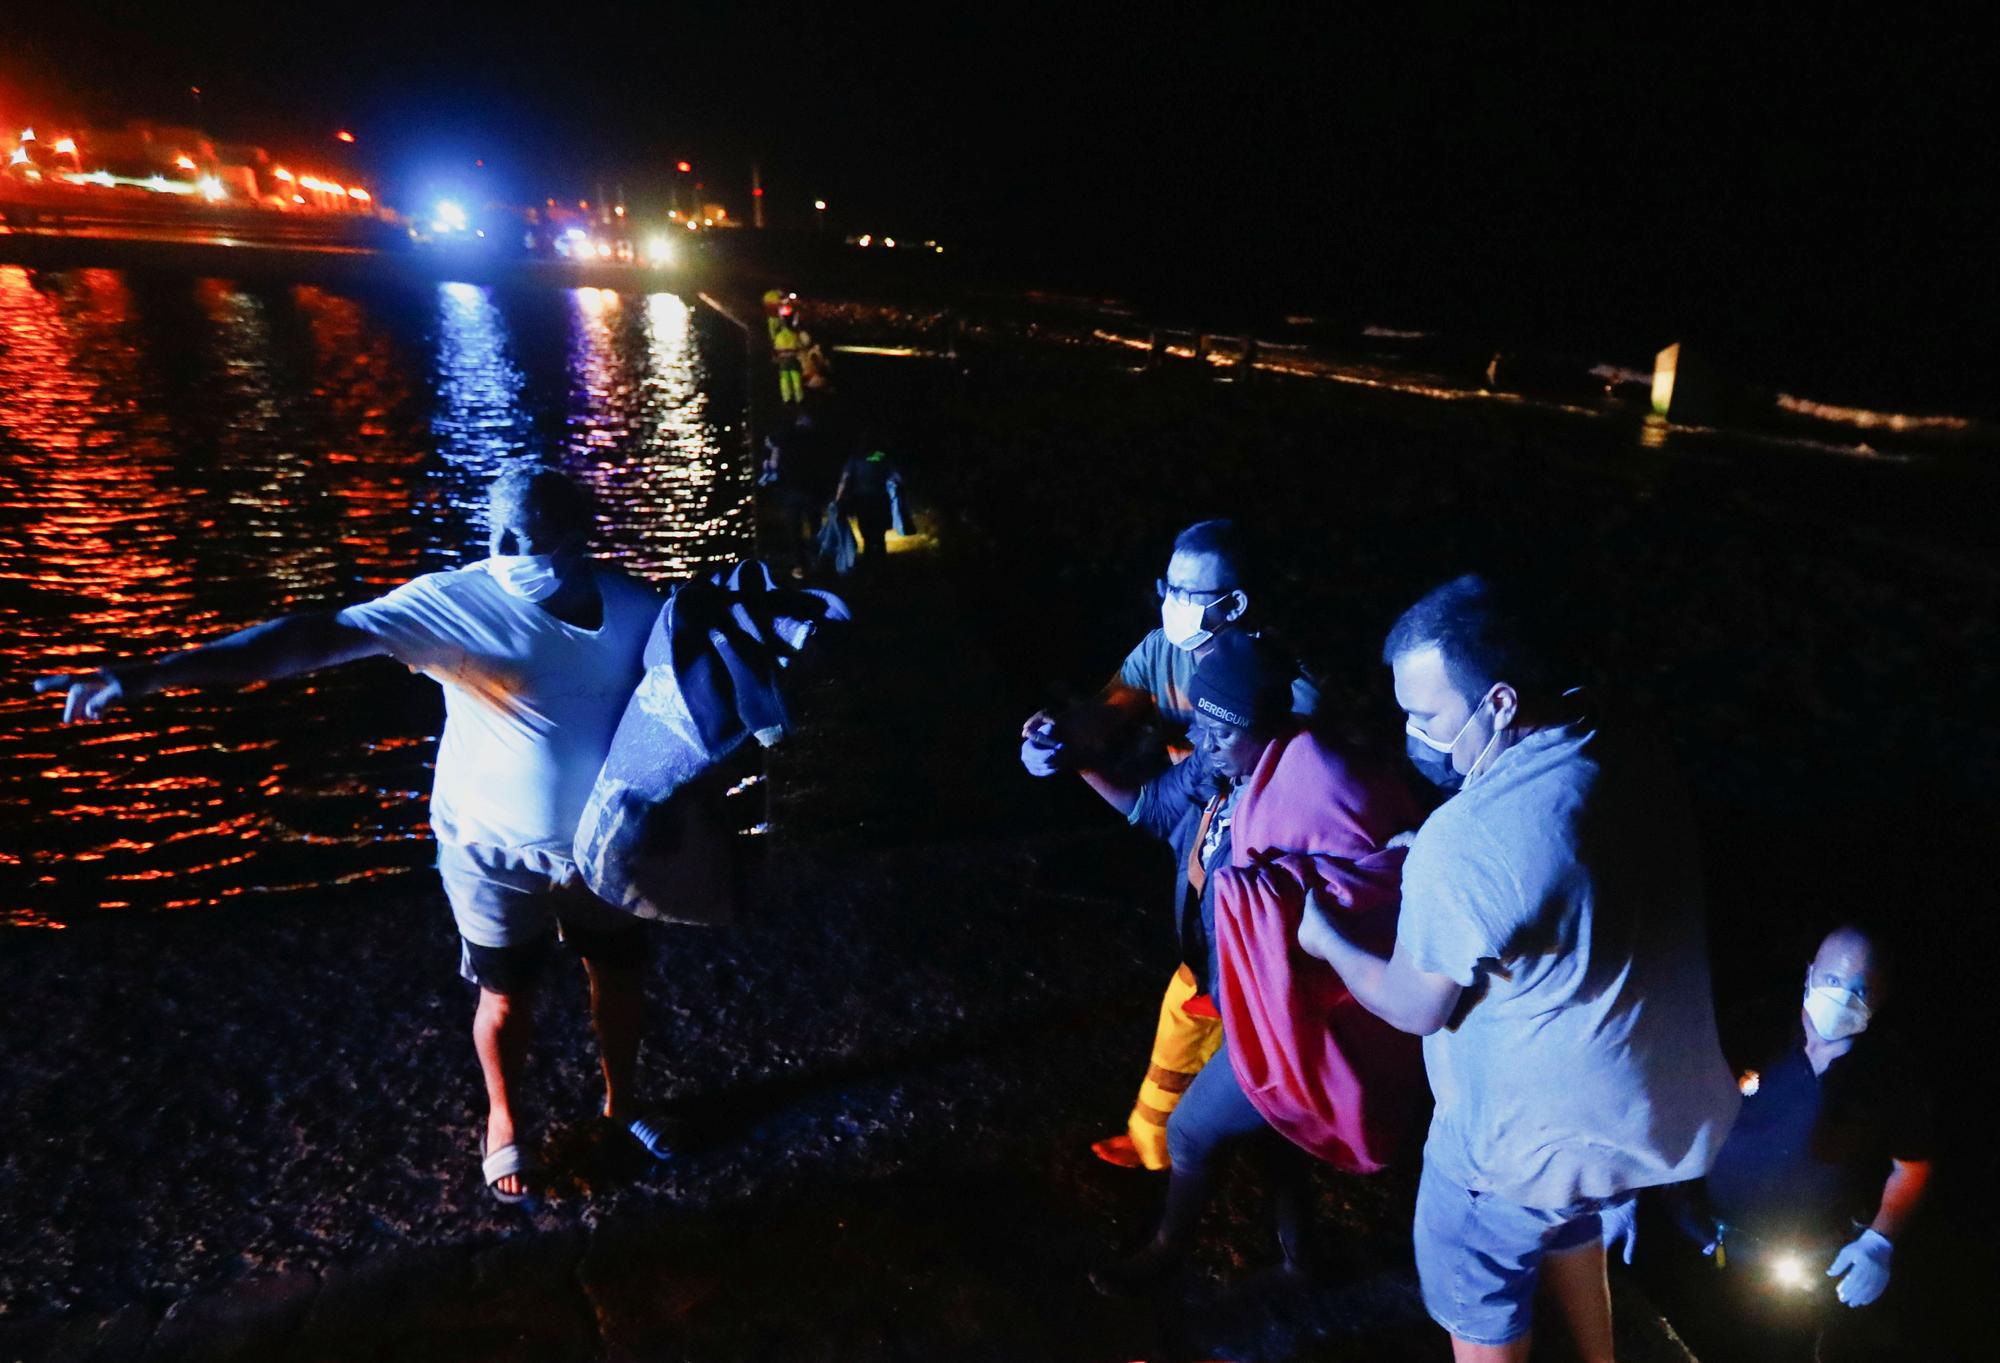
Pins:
<point x="1182" y="1044"/>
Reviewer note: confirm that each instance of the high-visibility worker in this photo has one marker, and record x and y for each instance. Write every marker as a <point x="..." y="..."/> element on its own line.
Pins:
<point x="785" y="349"/>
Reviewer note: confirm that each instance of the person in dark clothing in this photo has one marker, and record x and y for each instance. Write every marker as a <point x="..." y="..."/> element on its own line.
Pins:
<point x="1189" y="807"/>
<point x="788" y="478"/>
<point x="863" y="496"/>
<point x="1826" y="1165"/>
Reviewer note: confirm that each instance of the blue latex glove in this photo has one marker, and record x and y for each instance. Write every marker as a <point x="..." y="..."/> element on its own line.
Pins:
<point x="1041" y="757"/>
<point x="1620" y="1227"/>
<point x="1865" y="1261"/>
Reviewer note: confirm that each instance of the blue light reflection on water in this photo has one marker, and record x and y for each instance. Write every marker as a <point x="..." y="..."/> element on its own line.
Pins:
<point x="181" y="458"/>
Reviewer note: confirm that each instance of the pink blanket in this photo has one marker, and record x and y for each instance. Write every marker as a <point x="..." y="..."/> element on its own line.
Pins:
<point x="1325" y="1072"/>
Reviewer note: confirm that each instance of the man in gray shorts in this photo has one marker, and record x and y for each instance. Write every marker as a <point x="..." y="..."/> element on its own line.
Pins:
<point x="1551" y="954"/>
<point x="538" y="649"/>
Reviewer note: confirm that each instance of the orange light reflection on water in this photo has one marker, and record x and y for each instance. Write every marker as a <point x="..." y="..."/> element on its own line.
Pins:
<point x="181" y="458"/>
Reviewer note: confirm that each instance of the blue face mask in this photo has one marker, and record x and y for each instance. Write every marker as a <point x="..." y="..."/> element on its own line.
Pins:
<point x="1432" y="765"/>
<point x="1433" y="758"/>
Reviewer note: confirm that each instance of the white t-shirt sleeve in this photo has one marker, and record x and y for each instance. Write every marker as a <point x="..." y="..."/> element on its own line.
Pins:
<point x="414" y="623"/>
<point x="1462" y="903"/>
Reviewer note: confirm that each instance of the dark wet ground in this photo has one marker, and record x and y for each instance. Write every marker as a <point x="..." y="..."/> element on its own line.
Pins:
<point x="946" y="987"/>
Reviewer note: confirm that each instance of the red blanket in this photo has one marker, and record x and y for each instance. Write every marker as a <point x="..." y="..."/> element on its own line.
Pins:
<point x="1324" y="1071"/>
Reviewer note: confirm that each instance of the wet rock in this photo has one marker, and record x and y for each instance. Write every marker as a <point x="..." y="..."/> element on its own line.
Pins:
<point x="120" y="1337"/>
<point x="251" y="1321"/>
<point x="385" y="1299"/>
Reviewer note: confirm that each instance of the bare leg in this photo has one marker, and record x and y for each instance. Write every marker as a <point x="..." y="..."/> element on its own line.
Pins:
<point x="1513" y="1351"/>
<point x="1582" y="1292"/>
<point x="617" y="1011"/>
<point x="500" y="1031"/>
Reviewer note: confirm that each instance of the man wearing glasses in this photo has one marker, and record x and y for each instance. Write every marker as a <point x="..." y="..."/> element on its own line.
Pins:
<point x="1133" y="728"/>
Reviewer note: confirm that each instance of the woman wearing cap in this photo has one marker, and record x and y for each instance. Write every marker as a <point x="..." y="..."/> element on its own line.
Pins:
<point x="1307" y="1071"/>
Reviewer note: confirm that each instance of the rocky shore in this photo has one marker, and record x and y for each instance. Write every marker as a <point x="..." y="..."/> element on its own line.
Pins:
<point x="251" y="1136"/>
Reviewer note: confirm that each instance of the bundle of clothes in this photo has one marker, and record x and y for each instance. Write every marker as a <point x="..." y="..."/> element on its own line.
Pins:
<point x="655" y="839"/>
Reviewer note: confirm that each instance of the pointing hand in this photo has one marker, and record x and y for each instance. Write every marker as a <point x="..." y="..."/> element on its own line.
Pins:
<point x="90" y="693"/>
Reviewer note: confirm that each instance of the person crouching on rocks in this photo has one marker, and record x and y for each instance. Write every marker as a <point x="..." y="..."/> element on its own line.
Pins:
<point x="1301" y="1070"/>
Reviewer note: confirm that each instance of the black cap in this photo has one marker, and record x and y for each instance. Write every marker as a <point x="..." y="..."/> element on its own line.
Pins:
<point x="1243" y="681"/>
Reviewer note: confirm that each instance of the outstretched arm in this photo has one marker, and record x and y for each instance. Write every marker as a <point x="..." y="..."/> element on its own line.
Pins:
<point x="277" y="648"/>
<point x="1390" y="987"/>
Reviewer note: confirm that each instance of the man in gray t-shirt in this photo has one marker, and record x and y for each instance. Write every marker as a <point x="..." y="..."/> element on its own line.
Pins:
<point x="1551" y="952"/>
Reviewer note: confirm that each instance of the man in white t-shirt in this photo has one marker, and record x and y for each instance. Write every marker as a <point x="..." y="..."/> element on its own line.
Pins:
<point x="538" y="649"/>
<point x="1551" y="952"/>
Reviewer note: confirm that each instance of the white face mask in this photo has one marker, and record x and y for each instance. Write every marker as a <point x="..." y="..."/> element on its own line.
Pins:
<point x="1181" y="620"/>
<point x="1835" y="1013"/>
<point x="531" y="577"/>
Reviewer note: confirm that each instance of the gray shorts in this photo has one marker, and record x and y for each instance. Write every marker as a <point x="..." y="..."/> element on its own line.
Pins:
<point x="1479" y="1255"/>
<point x="507" y="901"/>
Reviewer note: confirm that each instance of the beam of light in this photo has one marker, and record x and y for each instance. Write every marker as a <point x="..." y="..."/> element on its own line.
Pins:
<point x="344" y="135"/>
<point x="183" y="162"/>
<point x="820" y="204"/>
<point x="1788" y="1270"/>
<point x="66" y="146"/>
<point x="448" y="217"/>
<point x="359" y="195"/>
<point x="211" y="188"/>
<point x="19" y="157"/>
<point x="282" y="174"/>
<point x="660" y="250"/>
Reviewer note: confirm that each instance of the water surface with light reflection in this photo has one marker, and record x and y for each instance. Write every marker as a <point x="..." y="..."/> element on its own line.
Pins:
<point x="182" y="457"/>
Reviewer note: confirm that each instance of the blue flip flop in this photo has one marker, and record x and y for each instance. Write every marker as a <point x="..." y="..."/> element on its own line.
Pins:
<point x="654" y="1137"/>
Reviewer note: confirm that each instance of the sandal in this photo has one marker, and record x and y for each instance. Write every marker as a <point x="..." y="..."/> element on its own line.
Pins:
<point x="508" y="1159"/>
<point x="654" y="1137"/>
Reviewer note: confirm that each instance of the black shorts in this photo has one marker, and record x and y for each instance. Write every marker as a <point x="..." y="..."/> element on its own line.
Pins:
<point x="516" y="969"/>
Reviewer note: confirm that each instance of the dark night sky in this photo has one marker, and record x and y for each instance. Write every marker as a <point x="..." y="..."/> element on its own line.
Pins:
<point x="1611" y="170"/>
